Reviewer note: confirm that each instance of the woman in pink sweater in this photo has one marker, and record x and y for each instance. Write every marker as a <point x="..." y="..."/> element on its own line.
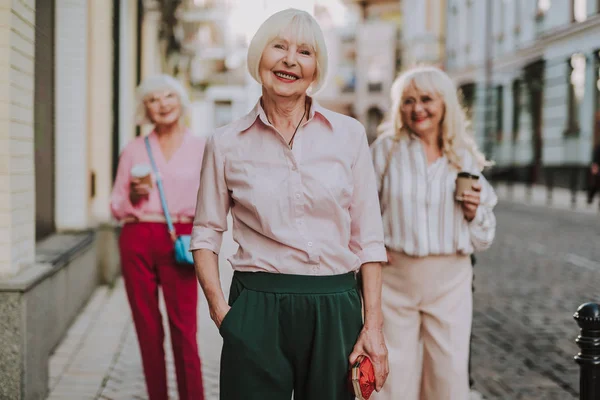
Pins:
<point x="147" y="256"/>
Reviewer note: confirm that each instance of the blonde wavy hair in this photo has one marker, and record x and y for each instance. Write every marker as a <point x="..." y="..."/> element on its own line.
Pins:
<point x="455" y="133"/>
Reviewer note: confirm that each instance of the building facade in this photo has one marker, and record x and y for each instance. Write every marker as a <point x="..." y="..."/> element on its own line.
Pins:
<point x="364" y="57"/>
<point x="529" y="73"/>
<point x="423" y="32"/>
<point x="68" y="72"/>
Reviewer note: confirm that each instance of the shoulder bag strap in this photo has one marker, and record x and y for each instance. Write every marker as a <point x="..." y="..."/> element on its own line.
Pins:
<point x="161" y="192"/>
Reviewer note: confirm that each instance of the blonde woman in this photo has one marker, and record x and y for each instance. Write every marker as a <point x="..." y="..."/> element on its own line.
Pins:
<point x="147" y="255"/>
<point x="429" y="235"/>
<point x="299" y="182"/>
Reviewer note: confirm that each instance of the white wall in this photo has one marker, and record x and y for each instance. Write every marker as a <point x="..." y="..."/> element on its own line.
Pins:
<point x="72" y="174"/>
<point x="375" y="42"/>
<point x="423" y="31"/>
<point x="17" y="187"/>
<point x="100" y="96"/>
<point x="127" y="71"/>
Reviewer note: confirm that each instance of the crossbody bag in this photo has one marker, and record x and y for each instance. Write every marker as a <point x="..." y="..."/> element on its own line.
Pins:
<point x="182" y="242"/>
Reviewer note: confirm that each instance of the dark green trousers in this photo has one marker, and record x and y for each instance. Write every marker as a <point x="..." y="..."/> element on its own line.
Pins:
<point x="289" y="333"/>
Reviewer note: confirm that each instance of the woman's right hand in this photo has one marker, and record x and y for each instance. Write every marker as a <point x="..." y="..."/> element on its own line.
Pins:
<point x="218" y="314"/>
<point x="138" y="190"/>
<point x="390" y="258"/>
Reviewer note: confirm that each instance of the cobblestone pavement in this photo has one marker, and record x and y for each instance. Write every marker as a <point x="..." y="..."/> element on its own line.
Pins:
<point x="542" y="266"/>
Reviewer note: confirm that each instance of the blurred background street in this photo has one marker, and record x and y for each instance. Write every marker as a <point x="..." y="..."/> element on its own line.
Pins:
<point x="529" y="78"/>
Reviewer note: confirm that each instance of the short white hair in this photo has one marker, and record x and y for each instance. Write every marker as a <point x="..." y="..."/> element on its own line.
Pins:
<point x="157" y="83"/>
<point x="302" y="27"/>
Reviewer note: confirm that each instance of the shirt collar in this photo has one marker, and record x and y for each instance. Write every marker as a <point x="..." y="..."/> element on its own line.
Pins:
<point x="316" y="110"/>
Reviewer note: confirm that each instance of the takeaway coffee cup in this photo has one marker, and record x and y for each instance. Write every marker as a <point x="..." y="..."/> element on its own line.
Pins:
<point x="142" y="172"/>
<point x="464" y="182"/>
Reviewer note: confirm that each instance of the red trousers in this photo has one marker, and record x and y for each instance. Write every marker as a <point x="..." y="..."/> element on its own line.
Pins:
<point x="147" y="260"/>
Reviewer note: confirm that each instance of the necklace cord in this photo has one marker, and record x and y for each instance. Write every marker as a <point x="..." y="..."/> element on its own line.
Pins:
<point x="291" y="142"/>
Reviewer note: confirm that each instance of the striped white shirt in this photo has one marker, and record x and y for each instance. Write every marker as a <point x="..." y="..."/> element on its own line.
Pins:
<point x="420" y="215"/>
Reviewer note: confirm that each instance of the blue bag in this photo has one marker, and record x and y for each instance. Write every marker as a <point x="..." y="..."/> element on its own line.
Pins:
<point x="183" y="255"/>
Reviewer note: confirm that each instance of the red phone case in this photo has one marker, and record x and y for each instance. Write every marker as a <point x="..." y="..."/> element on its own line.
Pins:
<point x="362" y="378"/>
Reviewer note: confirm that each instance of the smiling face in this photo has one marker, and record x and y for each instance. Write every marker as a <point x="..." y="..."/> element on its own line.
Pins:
<point x="287" y="68"/>
<point x="163" y="107"/>
<point x="422" y="112"/>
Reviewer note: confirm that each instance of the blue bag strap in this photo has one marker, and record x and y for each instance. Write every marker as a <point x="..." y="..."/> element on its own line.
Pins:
<point x="161" y="191"/>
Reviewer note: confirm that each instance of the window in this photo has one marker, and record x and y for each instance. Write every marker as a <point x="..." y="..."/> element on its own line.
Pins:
<point x="578" y="10"/>
<point x="468" y="99"/>
<point x="375" y="74"/>
<point x="576" y="89"/>
<point x="499" y="113"/>
<point x="516" y="108"/>
<point x="374" y="118"/>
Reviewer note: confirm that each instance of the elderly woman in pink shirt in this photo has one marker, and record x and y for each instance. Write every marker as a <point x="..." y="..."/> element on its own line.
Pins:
<point x="300" y="185"/>
<point x="147" y="255"/>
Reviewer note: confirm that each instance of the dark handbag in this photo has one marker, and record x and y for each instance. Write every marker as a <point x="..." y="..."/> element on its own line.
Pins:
<point x="182" y="242"/>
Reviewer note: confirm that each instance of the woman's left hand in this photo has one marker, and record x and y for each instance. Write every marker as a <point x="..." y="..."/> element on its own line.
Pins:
<point x="470" y="202"/>
<point x="372" y="344"/>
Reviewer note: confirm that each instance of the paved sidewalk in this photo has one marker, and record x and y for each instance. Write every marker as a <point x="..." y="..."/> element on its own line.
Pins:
<point x="99" y="357"/>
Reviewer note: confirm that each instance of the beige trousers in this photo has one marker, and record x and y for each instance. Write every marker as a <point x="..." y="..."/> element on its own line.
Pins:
<point x="427" y="309"/>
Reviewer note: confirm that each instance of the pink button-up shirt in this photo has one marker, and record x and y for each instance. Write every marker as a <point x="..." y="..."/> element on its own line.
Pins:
<point x="180" y="175"/>
<point x="312" y="210"/>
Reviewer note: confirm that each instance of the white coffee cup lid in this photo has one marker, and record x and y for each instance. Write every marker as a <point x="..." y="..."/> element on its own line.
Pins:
<point x="140" y="170"/>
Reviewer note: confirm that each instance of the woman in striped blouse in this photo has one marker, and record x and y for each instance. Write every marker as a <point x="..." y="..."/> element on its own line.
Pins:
<point x="427" y="300"/>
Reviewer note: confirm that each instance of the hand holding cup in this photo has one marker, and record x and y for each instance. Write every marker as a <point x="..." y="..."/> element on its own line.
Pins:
<point x="140" y="183"/>
<point x="468" y="192"/>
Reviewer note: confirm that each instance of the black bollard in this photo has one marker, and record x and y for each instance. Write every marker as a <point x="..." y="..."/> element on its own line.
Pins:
<point x="588" y="319"/>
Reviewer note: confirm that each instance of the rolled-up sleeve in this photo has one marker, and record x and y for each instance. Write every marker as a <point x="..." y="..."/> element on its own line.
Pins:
<point x="366" y="229"/>
<point x="213" y="201"/>
<point x="483" y="227"/>
<point x="120" y="204"/>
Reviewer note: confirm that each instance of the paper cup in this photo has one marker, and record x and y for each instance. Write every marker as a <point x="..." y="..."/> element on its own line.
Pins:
<point x="464" y="182"/>
<point x="142" y="172"/>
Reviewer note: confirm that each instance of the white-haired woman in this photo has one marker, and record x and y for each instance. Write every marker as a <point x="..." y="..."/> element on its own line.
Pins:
<point x="429" y="235"/>
<point x="300" y="185"/>
<point x="147" y="255"/>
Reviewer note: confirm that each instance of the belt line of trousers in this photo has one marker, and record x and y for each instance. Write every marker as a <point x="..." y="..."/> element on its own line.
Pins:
<point x="147" y="262"/>
<point x="427" y="307"/>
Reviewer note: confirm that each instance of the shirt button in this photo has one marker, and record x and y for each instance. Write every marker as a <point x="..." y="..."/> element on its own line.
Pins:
<point x="297" y="195"/>
<point x="309" y="244"/>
